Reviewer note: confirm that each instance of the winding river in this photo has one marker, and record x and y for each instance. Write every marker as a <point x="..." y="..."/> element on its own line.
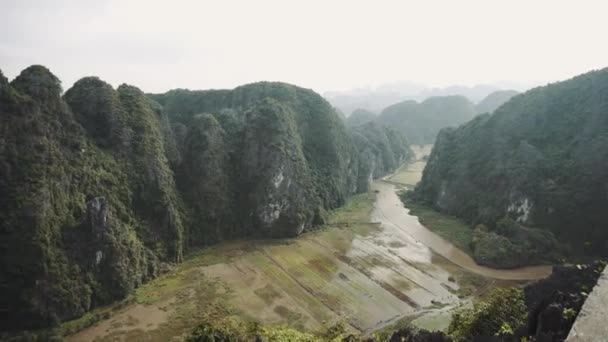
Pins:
<point x="389" y="211"/>
<point x="370" y="275"/>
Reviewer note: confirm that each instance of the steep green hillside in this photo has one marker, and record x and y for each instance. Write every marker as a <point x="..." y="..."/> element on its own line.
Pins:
<point x="100" y="189"/>
<point x="330" y="155"/>
<point x="421" y="122"/>
<point x="86" y="211"/>
<point x="381" y="150"/>
<point x="359" y="117"/>
<point x="539" y="161"/>
<point x="494" y="100"/>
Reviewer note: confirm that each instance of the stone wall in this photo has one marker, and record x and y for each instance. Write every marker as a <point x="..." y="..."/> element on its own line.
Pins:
<point x="592" y="322"/>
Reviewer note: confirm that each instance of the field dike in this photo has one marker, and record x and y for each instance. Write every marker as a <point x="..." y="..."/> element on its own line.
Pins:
<point x="359" y="268"/>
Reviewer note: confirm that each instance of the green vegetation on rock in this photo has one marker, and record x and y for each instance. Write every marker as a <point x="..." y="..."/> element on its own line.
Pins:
<point x="360" y="117"/>
<point x="295" y="157"/>
<point x="421" y="122"/>
<point x="381" y="150"/>
<point x="85" y="218"/>
<point x="501" y="313"/>
<point x="102" y="188"/>
<point x="494" y="100"/>
<point x="539" y="161"/>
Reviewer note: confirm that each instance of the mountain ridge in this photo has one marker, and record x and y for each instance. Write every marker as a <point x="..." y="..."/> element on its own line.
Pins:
<point x="101" y="189"/>
<point x="537" y="161"/>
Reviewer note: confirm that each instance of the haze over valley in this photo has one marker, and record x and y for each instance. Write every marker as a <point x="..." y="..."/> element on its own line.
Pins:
<point x="320" y="171"/>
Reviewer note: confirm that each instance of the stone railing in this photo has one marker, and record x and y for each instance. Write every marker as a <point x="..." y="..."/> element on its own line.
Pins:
<point x="591" y="325"/>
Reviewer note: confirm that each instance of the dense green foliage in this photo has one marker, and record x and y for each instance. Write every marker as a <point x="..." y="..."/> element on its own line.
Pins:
<point x="292" y="136"/>
<point x="540" y="159"/>
<point x="501" y="313"/>
<point x="421" y="122"/>
<point x="229" y="330"/>
<point x="512" y="244"/>
<point x="204" y="182"/>
<point x="381" y="150"/>
<point x="360" y="117"/>
<point x="99" y="188"/>
<point x="494" y="100"/>
<point x="84" y="218"/>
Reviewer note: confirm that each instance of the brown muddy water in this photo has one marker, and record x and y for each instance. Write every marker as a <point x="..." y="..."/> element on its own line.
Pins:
<point x="389" y="211"/>
<point x="370" y="267"/>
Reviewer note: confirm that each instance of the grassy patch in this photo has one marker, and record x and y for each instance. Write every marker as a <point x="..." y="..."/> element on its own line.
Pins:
<point x="357" y="209"/>
<point x="408" y="174"/>
<point x="196" y="291"/>
<point x="159" y="288"/>
<point x="446" y="226"/>
<point x="268" y="294"/>
<point x="91" y="317"/>
<point x="472" y="284"/>
<point x="290" y="316"/>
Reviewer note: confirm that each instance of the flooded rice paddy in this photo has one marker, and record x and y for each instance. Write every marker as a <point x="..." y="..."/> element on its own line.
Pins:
<point x="372" y="266"/>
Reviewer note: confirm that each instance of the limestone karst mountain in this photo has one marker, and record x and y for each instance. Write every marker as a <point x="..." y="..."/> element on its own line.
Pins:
<point x="421" y="122"/>
<point x="100" y="188"/>
<point x="538" y="161"/>
<point x="494" y="100"/>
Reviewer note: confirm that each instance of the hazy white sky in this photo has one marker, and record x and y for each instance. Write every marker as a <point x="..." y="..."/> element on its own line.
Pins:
<point x="319" y="44"/>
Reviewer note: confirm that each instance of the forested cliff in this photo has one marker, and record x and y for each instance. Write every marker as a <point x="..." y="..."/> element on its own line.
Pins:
<point x="100" y="188"/>
<point x="494" y="100"/>
<point x="421" y="122"/>
<point x="540" y="160"/>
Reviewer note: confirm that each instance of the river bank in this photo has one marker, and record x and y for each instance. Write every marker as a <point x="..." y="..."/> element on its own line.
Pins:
<point x="361" y="272"/>
<point x="372" y="266"/>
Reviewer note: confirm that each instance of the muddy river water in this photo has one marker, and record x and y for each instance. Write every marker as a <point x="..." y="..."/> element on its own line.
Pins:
<point x="389" y="211"/>
<point x="369" y="275"/>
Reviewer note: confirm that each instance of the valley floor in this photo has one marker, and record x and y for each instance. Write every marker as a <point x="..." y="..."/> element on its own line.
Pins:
<point x="371" y="273"/>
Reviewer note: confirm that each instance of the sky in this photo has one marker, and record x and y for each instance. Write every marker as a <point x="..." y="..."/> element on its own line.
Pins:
<point x="319" y="44"/>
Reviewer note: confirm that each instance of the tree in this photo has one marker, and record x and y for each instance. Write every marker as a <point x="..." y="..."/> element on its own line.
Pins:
<point x="503" y="310"/>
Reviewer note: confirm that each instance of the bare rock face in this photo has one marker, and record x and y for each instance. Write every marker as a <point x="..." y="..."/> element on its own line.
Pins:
<point x="538" y="158"/>
<point x="270" y="159"/>
<point x="83" y="220"/>
<point x="276" y="182"/>
<point x="97" y="213"/>
<point x="101" y="187"/>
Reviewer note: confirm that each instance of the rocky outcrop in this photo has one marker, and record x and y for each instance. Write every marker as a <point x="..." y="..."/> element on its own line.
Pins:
<point x="555" y="302"/>
<point x="102" y="187"/>
<point x="494" y="100"/>
<point x="204" y="178"/>
<point x="538" y="159"/>
<point x="277" y="185"/>
<point x="359" y="117"/>
<point x="590" y="324"/>
<point x="96" y="106"/>
<point x="97" y="214"/>
<point x="295" y="156"/>
<point x="380" y="151"/>
<point x="421" y="122"/>
<point x="85" y="218"/>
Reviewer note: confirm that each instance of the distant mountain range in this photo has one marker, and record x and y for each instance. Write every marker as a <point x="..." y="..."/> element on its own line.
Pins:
<point x="421" y="121"/>
<point x="101" y="188"/>
<point x="377" y="99"/>
<point x="533" y="169"/>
